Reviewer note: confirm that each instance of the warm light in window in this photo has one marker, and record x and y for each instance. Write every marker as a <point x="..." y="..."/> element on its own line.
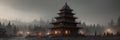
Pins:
<point x="67" y="32"/>
<point x="81" y="32"/>
<point x="20" y="32"/>
<point x="57" y="32"/>
<point x="48" y="33"/>
<point x="39" y="33"/>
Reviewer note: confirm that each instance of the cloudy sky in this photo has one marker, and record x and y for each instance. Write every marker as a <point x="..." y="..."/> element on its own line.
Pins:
<point x="89" y="11"/>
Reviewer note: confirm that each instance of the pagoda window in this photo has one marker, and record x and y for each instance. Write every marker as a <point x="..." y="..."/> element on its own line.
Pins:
<point x="60" y="20"/>
<point x="67" y="32"/>
<point x="62" y="15"/>
<point x="62" y="11"/>
<point x="69" y="15"/>
<point x="57" y="32"/>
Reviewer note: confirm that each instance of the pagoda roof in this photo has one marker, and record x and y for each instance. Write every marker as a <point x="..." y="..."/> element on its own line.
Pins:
<point x="66" y="27"/>
<point x="66" y="13"/>
<point x="65" y="17"/>
<point x="64" y="22"/>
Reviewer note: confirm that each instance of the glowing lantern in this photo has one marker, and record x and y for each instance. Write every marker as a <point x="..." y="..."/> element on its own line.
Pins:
<point x="28" y="33"/>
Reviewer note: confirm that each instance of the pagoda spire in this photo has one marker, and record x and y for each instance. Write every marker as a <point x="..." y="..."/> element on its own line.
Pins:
<point x="66" y="7"/>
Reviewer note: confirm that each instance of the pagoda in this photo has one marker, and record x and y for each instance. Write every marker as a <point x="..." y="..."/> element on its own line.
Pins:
<point x="65" y="24"/>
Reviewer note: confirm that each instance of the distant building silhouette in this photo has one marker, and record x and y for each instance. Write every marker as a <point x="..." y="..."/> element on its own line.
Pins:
<point x="119" y="21"/>
<point x="9" y="28"/>
<point x="2" y="31"/>
<point x="111" y="23"/>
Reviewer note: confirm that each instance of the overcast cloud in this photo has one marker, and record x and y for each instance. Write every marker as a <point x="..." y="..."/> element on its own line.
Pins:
<point x="89" y="11"/>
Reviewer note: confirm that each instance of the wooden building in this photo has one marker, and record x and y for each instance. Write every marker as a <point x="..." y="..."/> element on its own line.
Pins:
<point x="65" y="24"/>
